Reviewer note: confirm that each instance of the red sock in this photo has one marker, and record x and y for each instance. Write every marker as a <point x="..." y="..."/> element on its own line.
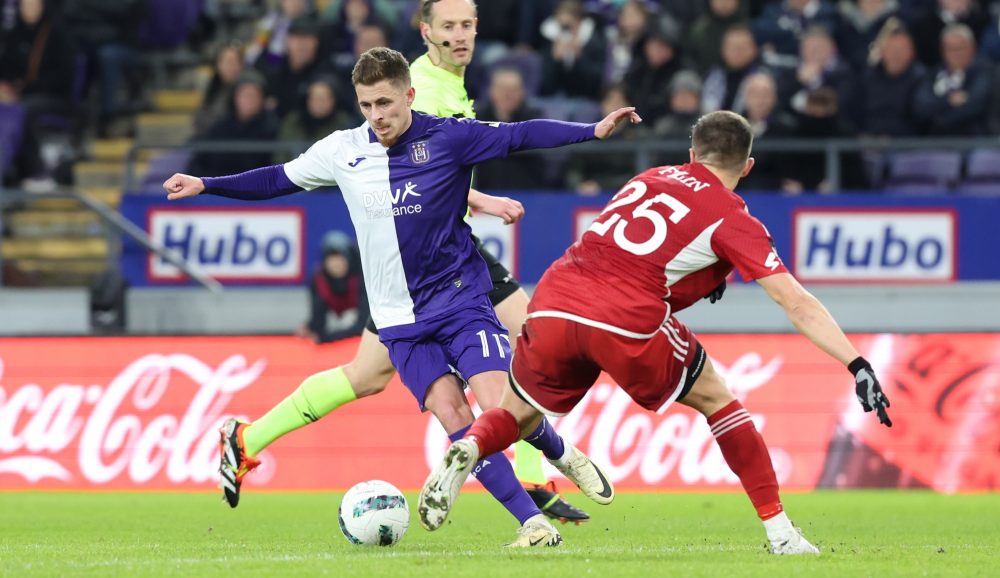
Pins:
<point x="494" y="431"/>
<point x="747" y="456"/>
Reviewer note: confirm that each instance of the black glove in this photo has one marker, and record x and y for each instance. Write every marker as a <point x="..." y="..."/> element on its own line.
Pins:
<point x="716" y="293"/>
<point x="868" y="390"/>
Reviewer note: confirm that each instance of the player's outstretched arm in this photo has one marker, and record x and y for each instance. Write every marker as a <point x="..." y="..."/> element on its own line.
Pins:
<point x="508" y="209"/>
<point x="256" y="185"/>
<point x="812" y="319"/>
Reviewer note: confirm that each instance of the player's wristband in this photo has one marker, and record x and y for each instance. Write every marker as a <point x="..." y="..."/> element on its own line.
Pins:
<point x="857" y="365"/>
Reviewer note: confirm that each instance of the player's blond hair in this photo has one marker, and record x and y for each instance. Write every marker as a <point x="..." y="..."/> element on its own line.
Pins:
<point x="722" y="139"/>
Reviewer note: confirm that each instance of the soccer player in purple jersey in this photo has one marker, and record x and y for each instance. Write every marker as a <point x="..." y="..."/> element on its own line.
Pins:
<point x="404" y="177"/>
<point x="438" y="76"/>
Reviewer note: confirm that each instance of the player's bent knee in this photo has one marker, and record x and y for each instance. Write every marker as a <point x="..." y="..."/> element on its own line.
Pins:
<point x="447" y="402"/>
<point x="709" y="392"/>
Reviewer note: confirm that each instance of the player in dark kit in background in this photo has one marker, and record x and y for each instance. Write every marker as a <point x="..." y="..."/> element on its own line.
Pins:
<point x="665" y="241"/>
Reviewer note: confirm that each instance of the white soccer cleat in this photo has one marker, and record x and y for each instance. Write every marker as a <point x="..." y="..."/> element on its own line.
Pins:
<point x="585" y="474"/>
<point x="792" y="543"/>
<point x="443" y="485"/>
<point x="536" y="531"/>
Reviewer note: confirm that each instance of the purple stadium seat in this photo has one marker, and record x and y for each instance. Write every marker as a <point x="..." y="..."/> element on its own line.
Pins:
<point x="984" y="188"/>
<point x="923" y="171"/>
<point x="983" y="164"/>
<point x="11" y="130"/>
<point x="168" y="22"/>
<point x="982" y="173"/>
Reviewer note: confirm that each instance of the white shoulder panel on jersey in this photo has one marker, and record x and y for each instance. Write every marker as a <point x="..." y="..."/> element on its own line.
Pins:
<point x="697" y="255"/>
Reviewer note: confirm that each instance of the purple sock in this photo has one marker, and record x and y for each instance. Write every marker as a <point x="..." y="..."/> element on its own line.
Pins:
<point x="546" y="439"/>
<point x="497" y="476"/>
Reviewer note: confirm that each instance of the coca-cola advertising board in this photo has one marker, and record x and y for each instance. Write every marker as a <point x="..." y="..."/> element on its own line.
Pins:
<point x="143" y="413"/>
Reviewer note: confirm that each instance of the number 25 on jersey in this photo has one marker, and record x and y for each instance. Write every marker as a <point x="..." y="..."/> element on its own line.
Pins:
<point x="630" y="195"/>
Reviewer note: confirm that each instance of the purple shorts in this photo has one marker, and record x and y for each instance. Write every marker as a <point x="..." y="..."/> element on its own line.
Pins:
<point x="470" y="341"/>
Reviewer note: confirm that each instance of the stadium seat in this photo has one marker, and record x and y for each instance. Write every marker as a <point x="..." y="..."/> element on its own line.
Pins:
<point x="983" y="164"/>
<point x="11" y="130"/>
<point x="923" y="172"/>
<point x="982" y="173"/>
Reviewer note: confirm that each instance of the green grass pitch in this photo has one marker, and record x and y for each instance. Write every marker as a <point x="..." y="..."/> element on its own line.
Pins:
<point x="656" y="534"/>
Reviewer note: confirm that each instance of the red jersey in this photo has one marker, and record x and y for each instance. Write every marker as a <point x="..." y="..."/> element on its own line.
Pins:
<point x="665" y="241"/>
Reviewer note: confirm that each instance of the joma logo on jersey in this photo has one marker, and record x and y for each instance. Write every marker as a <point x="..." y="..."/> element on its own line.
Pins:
<point x="391" y="203"/>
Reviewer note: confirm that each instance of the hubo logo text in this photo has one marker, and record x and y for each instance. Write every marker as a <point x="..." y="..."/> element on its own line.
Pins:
<point x="241" y="245"/>
<point x="391" y="203"/>
<point x="875" y="245"/>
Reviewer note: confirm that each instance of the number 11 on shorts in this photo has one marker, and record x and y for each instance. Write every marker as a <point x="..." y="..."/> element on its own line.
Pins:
<point x="486" y="343"/>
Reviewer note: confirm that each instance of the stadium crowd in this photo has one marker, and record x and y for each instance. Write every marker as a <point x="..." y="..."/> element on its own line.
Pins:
<point x="794" y="68"/>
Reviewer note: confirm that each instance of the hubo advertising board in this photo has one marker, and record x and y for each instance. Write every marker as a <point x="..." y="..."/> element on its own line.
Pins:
<point x="143" y="413"/>
<point x="234" y="243"/>
<point x="870" y="245"/>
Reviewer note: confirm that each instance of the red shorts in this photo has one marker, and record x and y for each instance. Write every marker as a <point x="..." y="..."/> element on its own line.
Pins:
<point x="557" y="360"/>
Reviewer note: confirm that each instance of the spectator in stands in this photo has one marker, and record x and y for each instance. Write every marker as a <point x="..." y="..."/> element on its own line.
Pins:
<point x="927" y="26"/>
<point x="768" y="121"/>
<point x="724" y="84"/>
<point x="890" y="83"/>
<point x="318" y="115"/>
<point x="685" y="108"/>
<point x="863" y="20"/>
<point x="990" y="41"/>
<point x="106" y="32"/>
<point x="218" y="97"/>
<point x="705" y="37"/>
<point x="573" y="62"/>
<point x="267" y="49"/>
<point x="37" y="70"/>
<point x="624" y="39"/>
<point x="338" y="302"/>
<point x="249" y="120"/>
<point x="819" y="118"/>
<point x="819" y="67"/>
<point x="648" y="80"/>
<point x="507" y="104"/>
<point x="348" y="17"/>
<point x="529" y="25"/>
<point x="955" y="98"/>
<point x="684" y="12"/>
<point x="495" y="31"/>
<point x="781" y="24"/>
<point x="287" y="82"/>
<point x="611" y="170"/>
<point x="368" y="36"/>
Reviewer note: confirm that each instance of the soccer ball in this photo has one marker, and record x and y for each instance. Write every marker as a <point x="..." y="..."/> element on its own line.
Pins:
<point x="374" y="513"/>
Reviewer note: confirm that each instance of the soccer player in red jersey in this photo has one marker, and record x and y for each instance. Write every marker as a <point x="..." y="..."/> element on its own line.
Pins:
<point x="668" y="239"/>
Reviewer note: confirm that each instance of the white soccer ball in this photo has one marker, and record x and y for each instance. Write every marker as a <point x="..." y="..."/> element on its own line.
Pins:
<point x="374" y="513"/>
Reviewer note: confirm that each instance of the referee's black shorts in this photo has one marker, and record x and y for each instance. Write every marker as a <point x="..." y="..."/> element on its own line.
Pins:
<point x="504" y="283"/>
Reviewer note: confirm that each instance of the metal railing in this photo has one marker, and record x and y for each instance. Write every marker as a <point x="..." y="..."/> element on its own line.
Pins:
<point x="644" y="150"/>
<point x="115" y="225"/>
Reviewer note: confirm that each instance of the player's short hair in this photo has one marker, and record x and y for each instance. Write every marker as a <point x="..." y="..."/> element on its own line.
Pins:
<point x="381" y="63"/>
<point x="427" y="7"/>
<point x="722" y="138"/>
